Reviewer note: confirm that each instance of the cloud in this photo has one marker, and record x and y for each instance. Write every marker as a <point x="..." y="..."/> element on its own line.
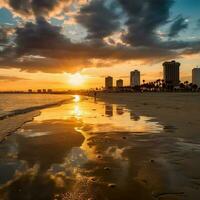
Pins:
<point x="41" y="36"/>
<point x="11" y="78"/>
<point x="40" y="46"/>
<point x="38" y="8"/>
<point x="6" y="33"/>
<point x="193" y="49"/>
<point x="179" y="25"/>
<point x="144" y="18"/>
<point x="3" y="36"/>
<point x="22" y="6"/>
<point x="198" y="24"/>
<point x="100" y="19"/>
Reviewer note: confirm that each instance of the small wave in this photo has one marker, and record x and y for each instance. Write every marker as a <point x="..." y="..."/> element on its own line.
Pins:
<point x="12" y="121"/>
<point x="31" y="109"/>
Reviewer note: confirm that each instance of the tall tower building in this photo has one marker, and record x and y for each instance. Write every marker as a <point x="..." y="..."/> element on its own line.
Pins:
<point x="119" y="83"/>
<point x="196" y="76"/>
<point x="135" y="78"/>
<point x="109" y="82"/>
<point x="171" y="74"/>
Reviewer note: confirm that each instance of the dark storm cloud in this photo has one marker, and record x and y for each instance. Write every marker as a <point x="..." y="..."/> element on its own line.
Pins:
<point x="193" y="49"/>
<point x="198" y="23"/>
<point x="3" y="36"/>
<point x="41" y="46"/>
<point x="99" y="18"/>
<point x="21" y="6"/>
<point x="42" y="38"/>
<point x="179" y="24"/>
<point x="41" y="7"/>
<point x="144" y="18"/>
<point x="39" y="37"/>
<point x="35" y="7"/>
<point x="180" y="45"/>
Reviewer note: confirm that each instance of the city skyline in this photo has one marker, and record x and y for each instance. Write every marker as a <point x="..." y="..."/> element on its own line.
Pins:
<point x="136" y="79"/>
<point x="74" y="44"/>
<point x="170" y="74"/>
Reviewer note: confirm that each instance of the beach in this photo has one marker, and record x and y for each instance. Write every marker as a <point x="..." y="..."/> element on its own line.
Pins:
<point x="140" y="146"/>
<point x="177" y="150"/>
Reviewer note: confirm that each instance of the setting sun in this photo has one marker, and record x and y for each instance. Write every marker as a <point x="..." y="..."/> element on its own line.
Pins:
<point x="76" y="79"/>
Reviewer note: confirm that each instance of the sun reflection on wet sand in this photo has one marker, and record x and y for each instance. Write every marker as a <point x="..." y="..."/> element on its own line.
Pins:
<point x="77" y="98"/>
<point x="77" y="112"/>
<point x="102" y="117"/>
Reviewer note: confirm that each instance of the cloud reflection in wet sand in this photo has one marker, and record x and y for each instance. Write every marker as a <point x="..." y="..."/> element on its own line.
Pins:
<point x="70" y="166"/>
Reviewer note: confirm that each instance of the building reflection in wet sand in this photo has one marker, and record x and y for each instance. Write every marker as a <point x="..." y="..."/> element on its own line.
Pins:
<point x="109" y="110"/>
<point x="120" y="110"/>
<point x="49" y="158"/>
<point x="134" y="116"/>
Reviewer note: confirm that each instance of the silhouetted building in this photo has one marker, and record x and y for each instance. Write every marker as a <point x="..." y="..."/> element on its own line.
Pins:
<point x="49" y="91"/>
<point x="30" y="91"/>
<point x="196" y="76"/>
<point x="109" y="82"/>
<point x="39" y="91"/>
<point x="135" y="78"/>
<point x="171" y="74"/>
<point x="44" y="91"/>
<point x="119" y="83"/>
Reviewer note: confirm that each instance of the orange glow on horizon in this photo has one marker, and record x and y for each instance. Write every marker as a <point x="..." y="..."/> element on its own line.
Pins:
<point x="76" y="79"/>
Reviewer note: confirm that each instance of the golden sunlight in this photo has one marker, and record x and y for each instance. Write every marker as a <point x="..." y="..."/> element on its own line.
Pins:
<point x="76" y="98"/>
<point x="76" y="79"/>
<point x="77" y="112"/>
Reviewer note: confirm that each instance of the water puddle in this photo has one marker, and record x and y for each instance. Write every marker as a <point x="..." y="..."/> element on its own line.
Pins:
<point x="101" y="117"/>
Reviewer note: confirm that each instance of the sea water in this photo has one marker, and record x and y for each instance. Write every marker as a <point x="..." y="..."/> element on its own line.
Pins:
<point x="16" y="109"/>
<point x="12" y="102"/>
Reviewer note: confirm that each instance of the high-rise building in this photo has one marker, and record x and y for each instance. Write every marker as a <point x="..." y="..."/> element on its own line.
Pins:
<point x="171" y="74"/>
<point x="49" y="90"/>
<point x="135" y="78"/>
<point x="119" y="83"/>
<point x="109" y="82"/>
<point x="196" y="76"/>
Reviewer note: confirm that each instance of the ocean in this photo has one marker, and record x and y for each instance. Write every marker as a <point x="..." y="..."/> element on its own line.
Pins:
<point x="16" y="109"/>
<point x="13" y="102"/>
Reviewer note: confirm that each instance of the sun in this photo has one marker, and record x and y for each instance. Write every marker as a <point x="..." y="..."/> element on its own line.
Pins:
<point x="76" y="79"/>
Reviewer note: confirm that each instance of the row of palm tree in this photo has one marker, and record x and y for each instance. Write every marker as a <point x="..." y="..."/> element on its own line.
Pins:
<point x="160" y="86"/>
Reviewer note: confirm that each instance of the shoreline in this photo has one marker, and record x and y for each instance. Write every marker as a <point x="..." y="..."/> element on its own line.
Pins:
<point x="14" y="120"/>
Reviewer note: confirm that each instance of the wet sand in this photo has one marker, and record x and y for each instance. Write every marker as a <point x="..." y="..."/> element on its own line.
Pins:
<point x="177" y="151"/>
<point x="173" y="110"/>
<point x="120" y="147"/>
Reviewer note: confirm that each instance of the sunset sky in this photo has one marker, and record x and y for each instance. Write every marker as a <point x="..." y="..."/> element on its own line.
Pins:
<point x="72" y="44"/>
